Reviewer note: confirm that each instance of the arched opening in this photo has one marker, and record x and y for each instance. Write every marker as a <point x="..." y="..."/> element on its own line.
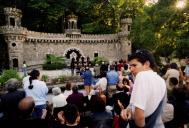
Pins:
<point x="15" y="63"/>
<point x="4" y="61"/>
<point x="12" y="21"/>
<point x="73" y="53"/>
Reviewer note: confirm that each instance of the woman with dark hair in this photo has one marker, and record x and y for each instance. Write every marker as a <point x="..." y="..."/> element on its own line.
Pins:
<point x="68" y="89"/>
<point x="38" y="90"/>
<point x="69" y="117"/>
<point x="100" y="117"/>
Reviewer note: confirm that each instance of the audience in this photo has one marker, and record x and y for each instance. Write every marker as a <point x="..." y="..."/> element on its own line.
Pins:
<point x="11" y="99"/>
<point x="71" y="109"/>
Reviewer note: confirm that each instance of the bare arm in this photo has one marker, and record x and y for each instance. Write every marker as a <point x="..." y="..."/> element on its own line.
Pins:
<point x="139" y="117"/>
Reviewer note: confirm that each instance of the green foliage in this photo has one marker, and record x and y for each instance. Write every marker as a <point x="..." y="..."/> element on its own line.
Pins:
<point x="8" y="74"/>
<point x="45" y="78"/>
<point x="99" y="60"/>
<point x="162" y="29"/>
<point x="62" y="79"/>
<point x="53" y="62"/>
<point x="53" y="66"/>
<point x="50" y="15"/>
<point x="52" y="59"/>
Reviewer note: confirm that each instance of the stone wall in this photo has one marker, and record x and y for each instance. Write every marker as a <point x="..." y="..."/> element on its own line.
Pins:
<point x="35" y="49"/>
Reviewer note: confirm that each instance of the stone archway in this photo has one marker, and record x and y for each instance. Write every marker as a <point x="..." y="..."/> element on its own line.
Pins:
<point x="73" y="53"/>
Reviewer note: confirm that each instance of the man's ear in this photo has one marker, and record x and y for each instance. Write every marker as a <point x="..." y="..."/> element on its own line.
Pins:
<point x="147" y="64"/>
<point x="61" y="117"/>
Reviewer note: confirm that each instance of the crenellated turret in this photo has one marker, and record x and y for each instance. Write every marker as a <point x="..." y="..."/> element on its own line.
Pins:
<point x="123" y="36"/>
<point x="72" y="30"/>
<point x="14" y="36"/>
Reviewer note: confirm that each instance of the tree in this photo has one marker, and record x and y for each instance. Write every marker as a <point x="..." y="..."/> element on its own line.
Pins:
<point x="161" y="28"/>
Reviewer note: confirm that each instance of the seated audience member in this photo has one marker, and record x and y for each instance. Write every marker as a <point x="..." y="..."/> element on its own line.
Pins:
<point x="100" y="118"/>
<point x="26" y="107"/>
<point x="11" y="99"/>
<point x="24" y="117"/>
<point x="123" y="97"/>
<point x="127" y="87"/>
<point x="69" y="117"/>
<point x="179" y="99"/>
<point x="58" y="100"/>
<point x="76" y="98"/>
<point x="102" y="82"/>
<point x="120" y="100"/>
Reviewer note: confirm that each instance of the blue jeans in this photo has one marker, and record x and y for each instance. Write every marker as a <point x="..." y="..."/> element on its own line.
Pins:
<point x="38" y="111"/>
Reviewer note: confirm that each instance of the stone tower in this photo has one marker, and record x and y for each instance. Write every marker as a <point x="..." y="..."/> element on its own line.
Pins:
<point x="14" y="36"/>
<point x="72" y="30"/>
<point x="123" y="36"/>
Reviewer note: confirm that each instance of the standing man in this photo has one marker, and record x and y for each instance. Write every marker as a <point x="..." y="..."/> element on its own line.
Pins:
<point x="88" y="77"/>
<point x="24" y="68"/>
<point x="113" y="79"/>
<point x="72" y="66"/>
<point x="148" y="94"/>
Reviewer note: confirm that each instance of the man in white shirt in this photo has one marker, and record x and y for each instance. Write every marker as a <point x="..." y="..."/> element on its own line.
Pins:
<point x="148" y="92"/>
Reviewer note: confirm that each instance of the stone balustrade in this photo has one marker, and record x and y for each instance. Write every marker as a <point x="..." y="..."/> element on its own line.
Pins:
<point x="80" y="38"/>
<point x="33" y="36"/>
<point x="12" y="29"/>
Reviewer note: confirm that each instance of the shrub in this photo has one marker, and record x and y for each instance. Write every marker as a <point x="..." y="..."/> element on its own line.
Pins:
<point x="45" y="78"/>
<point x="99" y="60"/>
<point x="7" y="74"/>
<point x="62" y="79"/>
<point x="53" y="62"/>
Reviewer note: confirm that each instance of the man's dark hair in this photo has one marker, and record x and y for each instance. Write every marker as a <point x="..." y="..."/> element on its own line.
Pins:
<point x="173" y="80"/>
<point x="142" y="56"/>
<point x="75" y="89"/>
<point x="173" y="66"/>
<point x="70" y="113"/>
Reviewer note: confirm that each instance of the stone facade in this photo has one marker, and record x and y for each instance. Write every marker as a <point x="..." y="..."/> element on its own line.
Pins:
<point x="32" y="47"/>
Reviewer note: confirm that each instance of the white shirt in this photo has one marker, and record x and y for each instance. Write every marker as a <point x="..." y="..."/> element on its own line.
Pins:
<point x="67" y="93"/>
<point x="148" y="90"/>
<point x="38" y="92"/>
<point x="59" y="100"/>
<point x="102" y="83"/>
<point x="171" y="73"/>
